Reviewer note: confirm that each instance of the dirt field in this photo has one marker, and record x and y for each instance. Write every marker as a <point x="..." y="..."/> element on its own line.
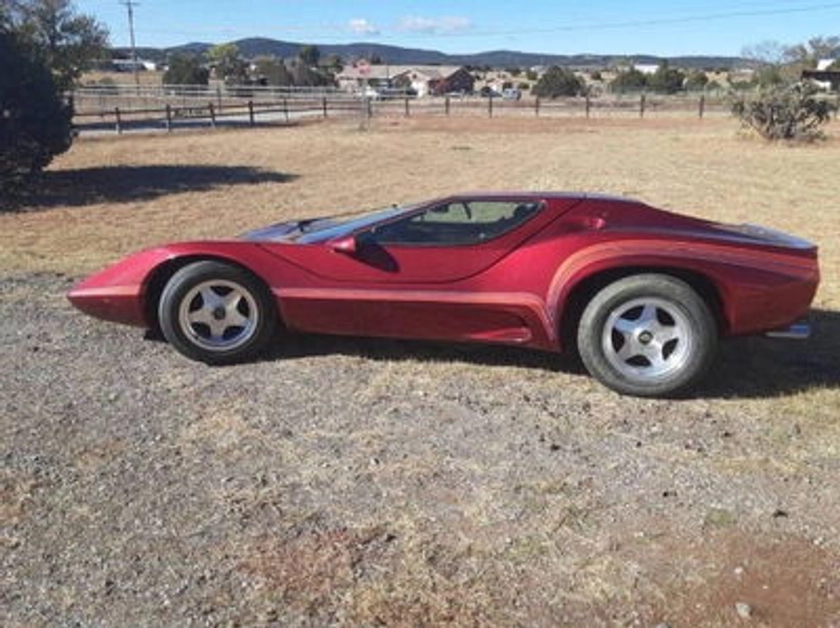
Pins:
<point x="346" y="481"/>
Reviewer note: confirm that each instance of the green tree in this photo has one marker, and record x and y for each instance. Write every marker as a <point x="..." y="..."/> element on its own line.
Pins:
<point x="305" y="76"/>
<point x="666" y="80"/>
<point x="631" y="80"/>
<point x="310" y="55"/>
<point x="769" y="75"/>
<point x="185" y="70"/>
<point x="228" y="65"/>
<point x="557" y="82"/>
<point x="68" y="42"/>
<point x="697" y="81"/>
<point x="34" y="119"/>
<point x="273" y="71"/>
<point x="333" y="63"/>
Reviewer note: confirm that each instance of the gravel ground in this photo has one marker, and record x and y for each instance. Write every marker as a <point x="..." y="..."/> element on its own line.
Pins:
<point x="345" y="481"/>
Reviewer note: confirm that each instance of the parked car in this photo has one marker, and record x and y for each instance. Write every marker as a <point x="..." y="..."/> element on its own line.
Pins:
<point x="642" y="294"/>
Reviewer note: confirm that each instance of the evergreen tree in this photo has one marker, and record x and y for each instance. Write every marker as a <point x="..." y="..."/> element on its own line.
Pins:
<point x="185" y="70"/>
<point x="66" y="41"/>
<point x="34" y="120"/>
<point x="557" y="82"/>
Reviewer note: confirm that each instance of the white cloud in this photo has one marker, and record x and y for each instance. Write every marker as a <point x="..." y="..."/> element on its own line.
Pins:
<point x="361" y="26"/>
<point x="434" y="25"/>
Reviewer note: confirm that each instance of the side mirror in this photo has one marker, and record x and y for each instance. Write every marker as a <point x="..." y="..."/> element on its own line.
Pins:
<point x="345" y="244"/>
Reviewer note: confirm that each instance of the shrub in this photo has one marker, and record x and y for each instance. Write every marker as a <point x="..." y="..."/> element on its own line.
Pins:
<point x="558" y="81"/>
<point x="631" y="80"/>
<point x="785" y="113"/>
<point x="34" y="119"/>
<point x="666" y="80"/>
<point x="697" y="81"/>
<point x="185" y="70"/>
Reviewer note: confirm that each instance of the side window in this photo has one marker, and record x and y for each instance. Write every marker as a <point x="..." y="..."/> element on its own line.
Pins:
<point x="457" y="223"/>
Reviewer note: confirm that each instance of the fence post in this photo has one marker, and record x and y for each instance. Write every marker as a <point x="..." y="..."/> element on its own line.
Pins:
<point x="118" y="119"/>
<point x="369" y="107"/>
<point x="642" y="102"/>
<point x="219" y="96"/>
<point x="702" y="106"/>
<point x="286" y="109"/>
<point x="168" y="118"/>
<point x="324" y="106"/>
<point x="251" y="112"/>
<point x="490" y="105"/>
<point x="588" y="105"/>
<point x="446" y="105"/>
<point x="407" y="112"/>
<point x="537" y="107"/>
<point x="212" y="114"/>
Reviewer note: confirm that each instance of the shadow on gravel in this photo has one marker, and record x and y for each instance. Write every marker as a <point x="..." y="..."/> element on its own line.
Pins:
<point x="304" y="345"/>
<point x="764" y="367"/>
<point x="118" y="184"/>
<point x="754" y="367"/>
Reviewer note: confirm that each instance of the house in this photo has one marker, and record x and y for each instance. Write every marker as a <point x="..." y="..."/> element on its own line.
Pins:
<point x="828" y="78"/>
<point x="425" y="80"/>
<point x="435" y="80"/>
<point x="127" y="65"/>
<point x="647" y="68"/>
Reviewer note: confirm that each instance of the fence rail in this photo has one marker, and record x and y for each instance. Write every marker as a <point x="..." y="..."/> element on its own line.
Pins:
<point x="124" y="108"/>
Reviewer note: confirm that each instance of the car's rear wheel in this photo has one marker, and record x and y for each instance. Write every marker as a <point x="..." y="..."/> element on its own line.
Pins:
<point x="647" y="335"/>
<point x="216" y="313"/>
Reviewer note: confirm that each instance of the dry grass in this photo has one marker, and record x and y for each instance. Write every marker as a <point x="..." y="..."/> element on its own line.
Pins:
<point x="110" y="196"/>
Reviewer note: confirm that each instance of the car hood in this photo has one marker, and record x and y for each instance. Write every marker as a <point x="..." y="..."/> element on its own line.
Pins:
<point x="286" y="231"/>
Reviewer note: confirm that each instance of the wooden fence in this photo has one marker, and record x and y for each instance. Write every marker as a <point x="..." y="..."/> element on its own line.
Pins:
<point x="180" y="111"/>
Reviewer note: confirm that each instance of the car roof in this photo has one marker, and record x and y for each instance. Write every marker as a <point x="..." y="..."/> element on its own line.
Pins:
<point x="509" y="195"/>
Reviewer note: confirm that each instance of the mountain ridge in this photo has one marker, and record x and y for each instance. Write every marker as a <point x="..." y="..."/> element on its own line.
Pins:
<point x="251" y="47"/>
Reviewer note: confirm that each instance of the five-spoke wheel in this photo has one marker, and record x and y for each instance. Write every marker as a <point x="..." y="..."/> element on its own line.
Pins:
<point x="216" y="313"/>
<point x="647" y="335"/>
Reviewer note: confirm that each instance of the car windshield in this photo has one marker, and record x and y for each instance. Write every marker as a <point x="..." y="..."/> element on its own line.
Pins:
<point x="337" y="227"/>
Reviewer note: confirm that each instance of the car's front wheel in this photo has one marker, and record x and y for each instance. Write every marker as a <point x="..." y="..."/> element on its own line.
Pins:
<point x="216" y="313"/>
<point x="647" y="335"/>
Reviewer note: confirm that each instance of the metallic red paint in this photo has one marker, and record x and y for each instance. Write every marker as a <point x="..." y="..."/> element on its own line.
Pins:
<point x="512" y="289"/>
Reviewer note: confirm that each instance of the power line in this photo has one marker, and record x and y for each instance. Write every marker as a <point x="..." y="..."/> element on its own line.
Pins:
<point x="641" y="23"/>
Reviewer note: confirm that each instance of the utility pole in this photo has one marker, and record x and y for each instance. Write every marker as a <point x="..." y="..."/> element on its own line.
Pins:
<point x="130" y="4"/>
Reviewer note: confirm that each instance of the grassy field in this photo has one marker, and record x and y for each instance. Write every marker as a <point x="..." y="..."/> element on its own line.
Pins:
<point x="481" y="545"/>
<point x="109" y="196"/>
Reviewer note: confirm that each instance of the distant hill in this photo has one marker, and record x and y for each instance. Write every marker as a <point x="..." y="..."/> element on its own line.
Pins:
<point x="259" y="46"/>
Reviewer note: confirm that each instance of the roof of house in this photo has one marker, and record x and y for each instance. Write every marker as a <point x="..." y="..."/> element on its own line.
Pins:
<point x="429" y="72"/>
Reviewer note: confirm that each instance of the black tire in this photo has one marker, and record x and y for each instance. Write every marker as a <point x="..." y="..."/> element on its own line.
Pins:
<point x="647" y="335"/>
<point x="217" y="313"/>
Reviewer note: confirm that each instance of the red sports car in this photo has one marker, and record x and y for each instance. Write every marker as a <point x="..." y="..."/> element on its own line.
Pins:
<point x="643" y="295"/>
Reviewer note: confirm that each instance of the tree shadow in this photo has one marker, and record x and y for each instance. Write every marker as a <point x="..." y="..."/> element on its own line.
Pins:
<point x="120" y="184"/>
<point x="746" y="368"/>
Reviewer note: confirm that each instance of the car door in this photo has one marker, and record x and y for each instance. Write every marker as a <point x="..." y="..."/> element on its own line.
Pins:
<point x="410" y="276"/>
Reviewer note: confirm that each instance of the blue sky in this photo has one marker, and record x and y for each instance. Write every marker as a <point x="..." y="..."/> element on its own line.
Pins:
<point x="543" y="26"/>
